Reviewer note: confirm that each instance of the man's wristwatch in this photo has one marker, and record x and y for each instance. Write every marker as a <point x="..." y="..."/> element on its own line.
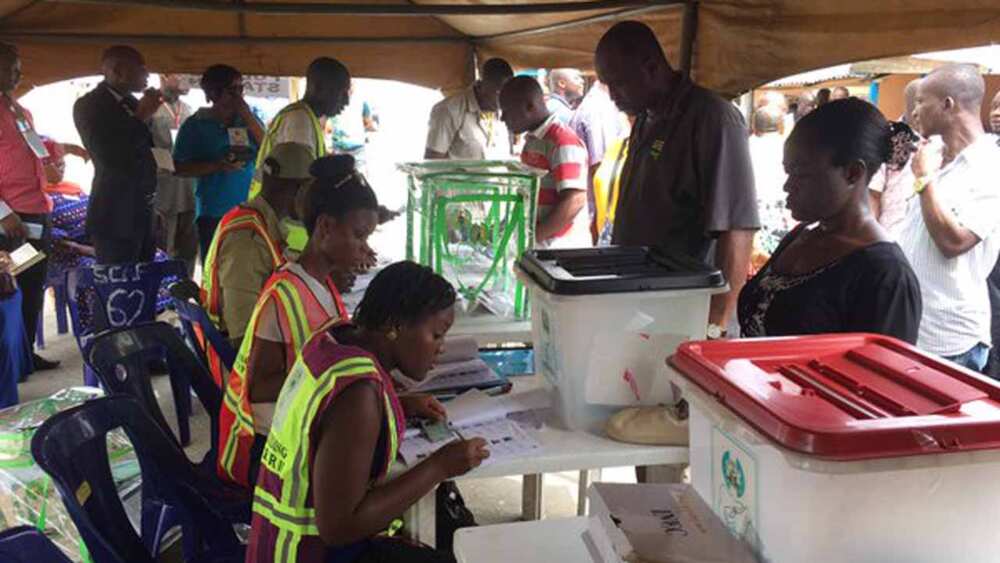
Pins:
<point x="920" y="184"/>
<point x="715" y="332"/>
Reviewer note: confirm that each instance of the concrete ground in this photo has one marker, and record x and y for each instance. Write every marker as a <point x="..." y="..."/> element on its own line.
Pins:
<point x="493" y="501"/>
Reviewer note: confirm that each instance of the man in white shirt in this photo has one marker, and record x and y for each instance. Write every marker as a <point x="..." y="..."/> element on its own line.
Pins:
<point x="950" y="234"/>
<point x="993" y="367"/>
<point x="767" y="152"/>
<point x="467" y="126"/>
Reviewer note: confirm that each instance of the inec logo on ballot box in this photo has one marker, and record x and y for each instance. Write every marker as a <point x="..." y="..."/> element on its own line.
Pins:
<point x="734" y="485"/>
<point x="732" y="475"/>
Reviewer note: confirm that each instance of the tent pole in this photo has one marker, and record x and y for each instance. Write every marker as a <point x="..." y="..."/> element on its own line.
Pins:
<point x="375" y="9"/>
<point x="689" y="32"/>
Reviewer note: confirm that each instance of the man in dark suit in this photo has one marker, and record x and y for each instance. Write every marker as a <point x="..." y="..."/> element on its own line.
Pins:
<point x="112" y="125"/>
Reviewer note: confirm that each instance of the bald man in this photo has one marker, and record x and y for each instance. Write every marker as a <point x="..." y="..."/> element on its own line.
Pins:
<point x="112" y="125"/>
<point x="889" y="190"/>
<point x="840" y="93"/>
<point x="563" y="221"/>
<point x="950" y="237"/>
<point x="566" y="86"/>
<point x="688" y="184"/>
<point x="805" y="103"/>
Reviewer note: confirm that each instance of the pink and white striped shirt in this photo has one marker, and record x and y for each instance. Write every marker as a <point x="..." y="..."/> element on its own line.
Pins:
<point x="556" y="148"/>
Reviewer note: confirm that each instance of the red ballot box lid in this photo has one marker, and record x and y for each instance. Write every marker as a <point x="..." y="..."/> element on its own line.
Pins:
<point x="847" y="396"/>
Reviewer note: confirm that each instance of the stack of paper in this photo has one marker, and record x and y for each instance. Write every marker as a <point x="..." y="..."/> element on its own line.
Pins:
<point x="459" y="368"/>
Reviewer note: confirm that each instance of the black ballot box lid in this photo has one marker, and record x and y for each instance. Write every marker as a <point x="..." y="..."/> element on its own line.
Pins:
<point x="616" y="269"/>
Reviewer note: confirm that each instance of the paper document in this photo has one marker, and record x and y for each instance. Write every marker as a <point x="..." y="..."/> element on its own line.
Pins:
<point x="476" y="414"/>
<point x="24" y="257"/>
<point x="504" y="439"/>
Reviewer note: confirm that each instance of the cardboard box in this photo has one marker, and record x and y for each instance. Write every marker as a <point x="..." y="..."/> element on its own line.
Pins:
<point x="655" y="523"/>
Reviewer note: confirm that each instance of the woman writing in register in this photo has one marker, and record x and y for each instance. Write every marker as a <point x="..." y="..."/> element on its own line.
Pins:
<point x="839" y="270"/>
<point x="323" y="495"/>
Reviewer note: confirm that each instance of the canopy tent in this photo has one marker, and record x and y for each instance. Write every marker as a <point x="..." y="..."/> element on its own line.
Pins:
<point x="730" y="45"/>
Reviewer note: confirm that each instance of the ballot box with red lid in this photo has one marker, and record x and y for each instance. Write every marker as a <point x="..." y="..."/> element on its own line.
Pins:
<point x="851" y="447"/>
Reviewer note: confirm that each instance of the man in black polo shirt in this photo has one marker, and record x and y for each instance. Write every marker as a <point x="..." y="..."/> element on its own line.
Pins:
<point x="687" y="186"/>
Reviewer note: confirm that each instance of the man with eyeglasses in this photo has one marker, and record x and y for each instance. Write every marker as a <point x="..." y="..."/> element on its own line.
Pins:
<point x="218" y="146"/>
<point x="112" y="124"/>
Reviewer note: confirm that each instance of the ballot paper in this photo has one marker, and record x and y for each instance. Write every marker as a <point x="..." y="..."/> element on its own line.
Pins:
<point x="475" y="414"/>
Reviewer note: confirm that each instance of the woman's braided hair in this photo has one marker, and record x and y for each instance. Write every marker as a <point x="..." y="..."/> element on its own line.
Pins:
<point x="404" y="293"/>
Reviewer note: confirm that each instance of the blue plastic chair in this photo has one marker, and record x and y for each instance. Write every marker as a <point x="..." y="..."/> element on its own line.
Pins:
<point x="119" y="357"/>
<point x="71" y="447"/>
<point x="102" y="297"/>
<point x="193" y="315"/>
<point x="27" y="544"/>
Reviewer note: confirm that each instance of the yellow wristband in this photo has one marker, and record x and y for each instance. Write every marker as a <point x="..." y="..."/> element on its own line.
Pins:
<point x="920" y="184"/>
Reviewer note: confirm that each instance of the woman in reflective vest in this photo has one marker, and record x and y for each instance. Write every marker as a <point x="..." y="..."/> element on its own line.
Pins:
<point x="341" y="211"/>
<point x="322" y="493"/>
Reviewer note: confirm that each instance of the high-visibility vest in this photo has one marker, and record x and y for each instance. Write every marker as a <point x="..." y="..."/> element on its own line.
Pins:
<point x="319" y="143"/>
<point x="237" y="219"/>
<point x="300" y="314"/>
<point x="284" y="517"/>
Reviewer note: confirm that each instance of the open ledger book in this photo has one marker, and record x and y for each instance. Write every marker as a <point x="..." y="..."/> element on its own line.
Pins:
<point x="458" y="368"/>
<point x="475" y="414"/>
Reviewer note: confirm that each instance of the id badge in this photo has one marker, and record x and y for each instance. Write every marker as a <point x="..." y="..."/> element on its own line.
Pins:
<point x="32" y="138"/>
<point x="239" y="137"/>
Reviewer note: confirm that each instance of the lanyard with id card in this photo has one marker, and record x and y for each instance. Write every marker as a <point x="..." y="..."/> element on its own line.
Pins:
<point x="28" y="132"/>
<point x="239" y="143"/>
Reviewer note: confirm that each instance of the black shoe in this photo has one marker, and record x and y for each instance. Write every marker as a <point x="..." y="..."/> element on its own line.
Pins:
<point x="41" y="364"/>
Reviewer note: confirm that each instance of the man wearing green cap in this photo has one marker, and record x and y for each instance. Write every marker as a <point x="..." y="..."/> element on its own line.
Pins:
<point x="249" y="243"/>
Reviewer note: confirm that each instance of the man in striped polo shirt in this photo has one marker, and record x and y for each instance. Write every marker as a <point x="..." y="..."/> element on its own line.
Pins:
<point x="551" y="146"/>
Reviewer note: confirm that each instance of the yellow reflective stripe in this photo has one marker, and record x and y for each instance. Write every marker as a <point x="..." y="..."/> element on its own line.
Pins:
<point x="234" y="401"/>
<point x="289" y="515"/>
<point x="296" y="488"/>
<point x="295" y="312"/>
<point x="393" y="446"/>
<point x="295" y="491"/>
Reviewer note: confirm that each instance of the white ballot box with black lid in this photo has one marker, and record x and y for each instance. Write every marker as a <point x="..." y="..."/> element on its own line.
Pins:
<point x="602" y="320"/>
<point x="844" y="448"/>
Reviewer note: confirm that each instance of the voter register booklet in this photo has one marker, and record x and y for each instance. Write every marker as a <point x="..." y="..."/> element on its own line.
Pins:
<point x="475" y="414"/>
